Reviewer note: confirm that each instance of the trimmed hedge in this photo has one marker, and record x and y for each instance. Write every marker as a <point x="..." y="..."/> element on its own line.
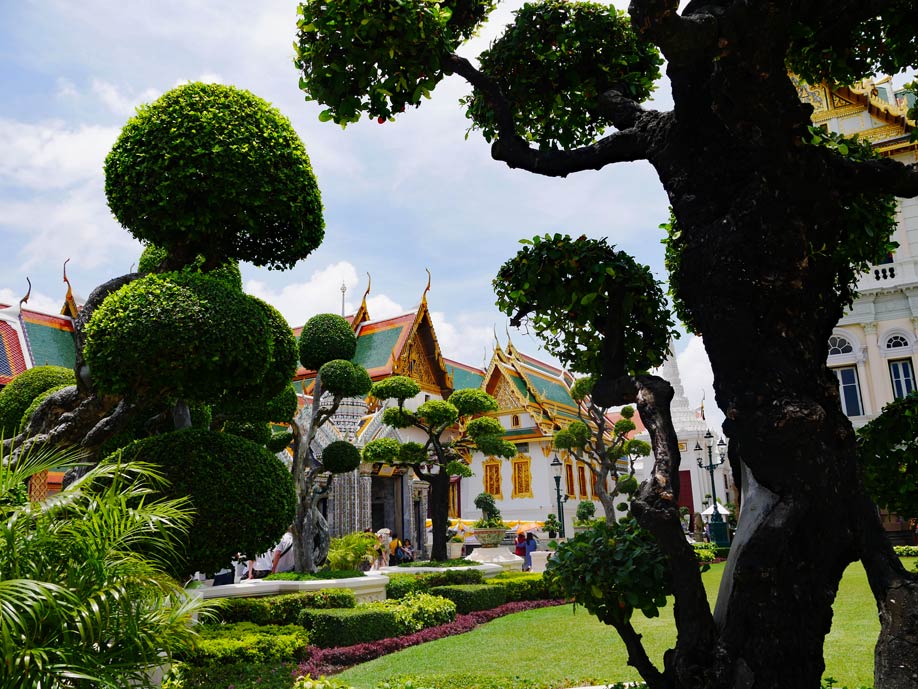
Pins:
<point x="283" y="609"/>
<point x="906" y="550"/>
<point x="346" y="627"/>
<point x="472" y="597"/>
<point x="401" y="585"/>
<point x="18" y="394"/>
<point x="321" y="575"/>
<point x="521" y="586"/>
<point x="246" y="642"/>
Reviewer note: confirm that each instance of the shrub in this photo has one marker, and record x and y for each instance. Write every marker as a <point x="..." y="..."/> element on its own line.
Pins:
<point x="352" y="550"/>
<point x="402" y="584"/>
<point x="237" y="675"/>
<point x="346" y="627"/>
<point x="341" y="377"/>
<point x="245" y="642"/>
<point x="340" y="457"/>
<point x="177" y="335"/>
<point x="472" y="597"/>
<point x="231" y="515"/>
<point x="519" y="586"/>
<point x="18" y="394"/>
<point x="906" y="550"/>
<point x="418" y="611"/>
<point x="324" y="338"/>
<point x="586" y="511"/>
<point x="321" y="575"/>
<point x="704" y="552"/>
<point x="283" y="609"/>
<point x="180" y="176"/>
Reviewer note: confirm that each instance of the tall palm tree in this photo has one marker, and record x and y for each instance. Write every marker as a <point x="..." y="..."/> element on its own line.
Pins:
<point x="84" y="595"/>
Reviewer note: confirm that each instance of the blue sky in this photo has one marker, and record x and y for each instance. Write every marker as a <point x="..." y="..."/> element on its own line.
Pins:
<point x="399" y="197"/>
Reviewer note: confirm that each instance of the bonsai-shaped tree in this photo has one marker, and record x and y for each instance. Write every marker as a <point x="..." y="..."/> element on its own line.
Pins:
<point x="453" y="429"/>
<point x="490" y="515"/>
<point x="602" y="450"/>
<point x="326" y="345"/>
<point x="179" y="344"/>
<point x="585" y="514"/>
<point x="774" y="219"/>
<point x="552" y="525"/>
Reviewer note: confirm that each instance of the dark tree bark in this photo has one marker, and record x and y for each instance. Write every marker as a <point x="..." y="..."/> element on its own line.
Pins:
<point x="439" y="511"/>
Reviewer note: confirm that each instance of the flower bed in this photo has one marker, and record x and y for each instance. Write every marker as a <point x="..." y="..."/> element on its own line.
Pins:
<point x="325" y="661"/>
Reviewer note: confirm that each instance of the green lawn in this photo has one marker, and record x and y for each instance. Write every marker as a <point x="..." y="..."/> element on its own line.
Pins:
<point x="563" y="647"/>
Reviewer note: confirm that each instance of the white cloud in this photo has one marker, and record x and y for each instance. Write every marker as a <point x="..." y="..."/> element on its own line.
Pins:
<point x="37" y="300"/>
<point x="52" y="154"/>
<point x="320" y="293"/>
<point x="468" y="340"/>
<point x="381" y="307"/>
<point x="698" y="380"/>
<point x="118" y="102"/>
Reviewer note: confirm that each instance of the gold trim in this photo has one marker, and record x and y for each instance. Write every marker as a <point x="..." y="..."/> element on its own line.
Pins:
<point x="519" y="491"/>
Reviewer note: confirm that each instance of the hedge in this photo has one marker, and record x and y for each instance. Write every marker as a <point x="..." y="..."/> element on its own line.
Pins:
<point x="249" y="643"/>
<point x="283" y="609"/>
<point x="522" y="586"/>
<point x="18" y="394"/>
<point x="472" y="597"/>
<point x="346" y="627"/>
<point x="906" y="550"/>
<point x="401" y="585"/>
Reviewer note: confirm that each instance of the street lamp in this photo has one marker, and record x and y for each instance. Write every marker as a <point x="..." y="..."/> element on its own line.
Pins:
<point x="718" y="526"/>
<point x="556" y="467"/>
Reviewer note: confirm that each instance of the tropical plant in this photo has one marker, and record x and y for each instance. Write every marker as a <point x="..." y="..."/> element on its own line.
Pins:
<point x="586" y="512"/>
<point x="352" y="551"/>
<point x="84" y="594"/>
<point x="490" y="515"/>
<point x="551" y="524"/>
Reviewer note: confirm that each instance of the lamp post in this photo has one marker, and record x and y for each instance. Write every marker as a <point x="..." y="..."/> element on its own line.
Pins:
<point x="556" y="467"/>
<point x="718" y="525"/>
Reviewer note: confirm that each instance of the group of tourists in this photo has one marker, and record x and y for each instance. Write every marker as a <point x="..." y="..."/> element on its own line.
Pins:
<point x="523" y="547"/>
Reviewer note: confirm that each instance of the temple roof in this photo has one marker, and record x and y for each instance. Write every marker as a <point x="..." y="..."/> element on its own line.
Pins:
<point x="31" y="338"/>
<point x="464" y="376"/>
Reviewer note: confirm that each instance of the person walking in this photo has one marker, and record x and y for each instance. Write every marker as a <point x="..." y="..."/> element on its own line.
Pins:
<point x="532" y="543"/>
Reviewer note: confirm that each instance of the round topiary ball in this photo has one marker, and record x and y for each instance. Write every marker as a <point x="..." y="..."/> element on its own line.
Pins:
<point x="340" y="457"/>
<point x="341" y="377"/>
<point x="214" y="170"/>
<point x="181" y="335"/>
<point x="242" y="494"/>
<point x="18" y="394"/>
<point x="326" y="337"/>
<point x="282" y="365"/>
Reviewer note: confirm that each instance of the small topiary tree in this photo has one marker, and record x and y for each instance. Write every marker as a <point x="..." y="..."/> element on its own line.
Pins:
<point x="326" y="345"/>
<point x="243" y="496"/>
<point x="453" y="429"/>
<point x="199" y="148"/>
<point x="490" y="515"/>
<point x="17" y="396"/>
<point x="585" y="513"/>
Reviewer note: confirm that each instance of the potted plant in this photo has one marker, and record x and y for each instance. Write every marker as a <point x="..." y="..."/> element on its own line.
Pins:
<point x="584" y="516"/>
<point x="552" y="525"/>
<point x="490" y="529"/>
<point x="454" y="547"/>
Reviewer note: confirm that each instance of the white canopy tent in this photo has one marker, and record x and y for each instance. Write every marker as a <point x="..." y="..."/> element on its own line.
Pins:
<point x="720" y="508"/>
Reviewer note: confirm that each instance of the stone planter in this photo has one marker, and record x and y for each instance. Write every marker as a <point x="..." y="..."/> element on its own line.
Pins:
<point x="453" y="550"/>
<point x="490" y="538"/>
<point x="540" y="559"/>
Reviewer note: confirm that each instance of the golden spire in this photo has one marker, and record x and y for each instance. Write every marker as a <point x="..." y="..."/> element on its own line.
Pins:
<point x="28" y="294"/>
<point x="368" y="290"/>
<point x="426" y="289"/>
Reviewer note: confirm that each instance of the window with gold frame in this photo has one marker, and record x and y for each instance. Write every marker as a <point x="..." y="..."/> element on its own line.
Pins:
<point x="454" y="500"/>
<point x="582" y="481"/>
<point x="522" y="477"/>
<point x="594" y="486"/>
<point x="569" y="480"/>
<point x="492" y="482"/>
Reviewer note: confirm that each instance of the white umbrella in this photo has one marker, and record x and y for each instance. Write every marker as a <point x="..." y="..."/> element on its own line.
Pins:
<point x="720" y="508"/>
<point x="383" y="532"/>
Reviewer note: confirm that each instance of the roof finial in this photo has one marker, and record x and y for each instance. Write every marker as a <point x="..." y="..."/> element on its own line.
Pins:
<point x="368" y="288"/>
<point x="28" y="294"/>
<point x="426" y="289"/>
<point x="343" y="290"/>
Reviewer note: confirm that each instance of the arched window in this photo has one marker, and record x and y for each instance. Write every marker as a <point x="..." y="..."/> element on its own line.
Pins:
<point x="839" y="345"/>
<point x="896" y="341"/>
<point x="515" y="421"/>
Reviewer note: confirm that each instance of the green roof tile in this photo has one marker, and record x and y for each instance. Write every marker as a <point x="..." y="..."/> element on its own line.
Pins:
<point x="463" y="378"/>
<point x="51" y="346"/>
<point x="375" y="349"/>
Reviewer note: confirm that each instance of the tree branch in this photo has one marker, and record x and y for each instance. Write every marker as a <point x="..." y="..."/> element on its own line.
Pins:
<point x="622" y="146"/>
<point x="681" y="39"/>
<point x="882" y="176"/>
<point x="637" y="656"/>
<point x="656" y="509"/>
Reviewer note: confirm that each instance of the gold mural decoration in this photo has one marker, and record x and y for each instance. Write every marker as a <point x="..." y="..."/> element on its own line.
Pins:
<point x="505" y="396"/>
<point x="413" y="363"/>
<point x="522" y="477"/>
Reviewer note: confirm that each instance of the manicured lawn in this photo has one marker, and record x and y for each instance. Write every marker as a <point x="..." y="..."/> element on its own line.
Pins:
<point x="563" y="647"/>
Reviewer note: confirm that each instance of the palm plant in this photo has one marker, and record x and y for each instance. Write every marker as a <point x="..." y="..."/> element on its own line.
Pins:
<point x="84" y="597"/>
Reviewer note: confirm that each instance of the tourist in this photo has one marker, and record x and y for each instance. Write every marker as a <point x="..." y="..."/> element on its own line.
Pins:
<point x="531" y="544"/>
<point x="408" y="549"/>
<point x="284" y="560"/>
<point x="260" y="567"/>
<point x="519" y="548"/>
<point x="395" y="548"/>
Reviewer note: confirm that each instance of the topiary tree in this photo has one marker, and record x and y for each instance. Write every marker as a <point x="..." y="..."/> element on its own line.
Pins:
<point x="453" y="429"/>
<point x="200" y="148"/>
<point x="242" y="495"/>
<point x="772" y="222"/>
<point x="603" y="447"/>
<point x="18" y="395"/>
<point x="490" y="515"/>
<point x="326" y="345"/>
